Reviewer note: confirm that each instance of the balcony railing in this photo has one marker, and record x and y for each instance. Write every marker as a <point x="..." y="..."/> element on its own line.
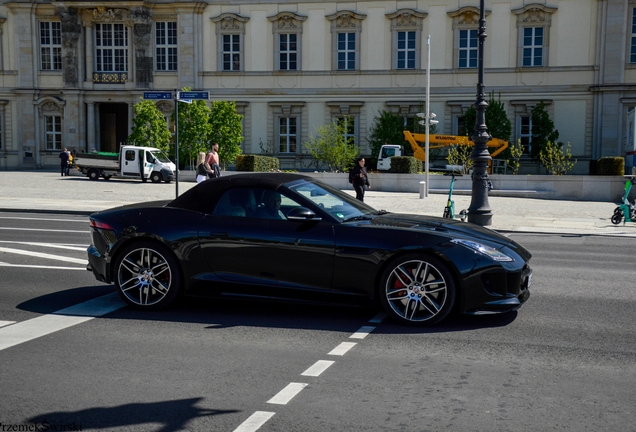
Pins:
<point x="110" y="77"/>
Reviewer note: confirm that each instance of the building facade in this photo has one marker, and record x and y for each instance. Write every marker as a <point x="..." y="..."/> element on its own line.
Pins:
<point x="71" y="71"/>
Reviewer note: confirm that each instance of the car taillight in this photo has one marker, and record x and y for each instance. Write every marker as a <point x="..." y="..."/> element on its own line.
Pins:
<point x="100" y="225"/>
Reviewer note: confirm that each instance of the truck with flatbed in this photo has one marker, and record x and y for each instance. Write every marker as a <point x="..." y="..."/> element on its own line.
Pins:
<point x="131" y="162"/>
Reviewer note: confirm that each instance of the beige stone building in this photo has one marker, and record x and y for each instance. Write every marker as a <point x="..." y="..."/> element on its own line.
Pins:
<point x="71" y="71"/>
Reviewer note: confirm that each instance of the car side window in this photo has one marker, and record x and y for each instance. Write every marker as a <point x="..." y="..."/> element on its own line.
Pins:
<point x="236" y="203"/>
<point x="271" y="204"/>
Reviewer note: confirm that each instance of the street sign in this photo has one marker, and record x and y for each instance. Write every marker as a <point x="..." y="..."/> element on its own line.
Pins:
<point x="154" y="95"/>
<point x="193" y="95"/>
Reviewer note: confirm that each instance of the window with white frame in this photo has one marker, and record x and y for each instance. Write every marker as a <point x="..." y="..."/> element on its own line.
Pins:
<point x="524" y="133"/>
<point x="288" y="52"/>
<point x="166" y="46"/>
<point x="111" y="48"/>
<point x="287" y="134"/>
<point x="468" y="49"/>
<point x="232" y="52"/>
<point x="287" y="29"/>
<point x="53" y="132"/>
<point x="345" y="29"/>
<point x="346" y="51"/>
<point x="533" y="23"/>
<point x="50" y="45"/>
<point x="406" y="33"/>
<point x="230" y="29"/>
<point x="532" y="47"/>
<point x="632" y="52"/>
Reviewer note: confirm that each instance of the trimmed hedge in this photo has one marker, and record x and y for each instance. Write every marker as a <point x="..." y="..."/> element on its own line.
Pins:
<point x="405" y="165"/>
<point x="257" y="163"/>
<point x="610" y="165"/>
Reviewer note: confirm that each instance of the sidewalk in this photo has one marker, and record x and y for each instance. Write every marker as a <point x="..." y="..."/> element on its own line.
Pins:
<point x="45" y="191"/>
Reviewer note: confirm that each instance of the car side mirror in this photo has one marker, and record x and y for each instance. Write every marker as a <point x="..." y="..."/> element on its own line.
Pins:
<point x="302" y="214"/>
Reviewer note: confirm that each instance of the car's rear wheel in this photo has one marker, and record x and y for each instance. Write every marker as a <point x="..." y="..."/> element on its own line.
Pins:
<point x="417" y="290"/>
<point x="93" y="174"/>
<point x="147" y="276"/>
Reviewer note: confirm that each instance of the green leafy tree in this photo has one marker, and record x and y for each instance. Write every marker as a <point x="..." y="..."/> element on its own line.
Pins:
<point x="330" y="148"/>
<point x="516" y="151"/>
<point x="460" y="155"/>
<point x="556" y="159"/>
<point x="193" y="130"/>
<point x="497" y="120"/>
<point x="226" y="129"/>
<point x="386" y="129"/>
<point x="542" y="131"/>
<point x="150" y="127"/>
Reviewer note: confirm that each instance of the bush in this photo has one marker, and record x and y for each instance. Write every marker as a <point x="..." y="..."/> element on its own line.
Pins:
<point x="257" y="163"/>
<point x="614" y="165"/>
<point x="405" y="165"/>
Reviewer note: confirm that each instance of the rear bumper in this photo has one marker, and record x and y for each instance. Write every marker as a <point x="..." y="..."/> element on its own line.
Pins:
<point x="98" y="264"/>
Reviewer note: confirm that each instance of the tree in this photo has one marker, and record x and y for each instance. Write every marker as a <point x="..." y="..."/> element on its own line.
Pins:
<point x="555" y="159"/>
<point x="150" y="127"/>
<point x="497" y="121"/>
<point x="516" y="151"/>
<point x="387" y="129"/>
<point x="460" y="155"/>
<point x="542" y="131"/>
<point x="226" y="129"/>
<point x="329" y="147"/>
<point x="194" y="130"/>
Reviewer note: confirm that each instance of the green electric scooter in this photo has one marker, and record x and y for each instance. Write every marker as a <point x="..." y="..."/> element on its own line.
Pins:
<point x="449" y="210"/>
<point x="625" y="212"/>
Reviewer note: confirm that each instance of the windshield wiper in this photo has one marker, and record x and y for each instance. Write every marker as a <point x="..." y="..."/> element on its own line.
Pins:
<point x="381" y="212"/>
<point x="357" y="218"/>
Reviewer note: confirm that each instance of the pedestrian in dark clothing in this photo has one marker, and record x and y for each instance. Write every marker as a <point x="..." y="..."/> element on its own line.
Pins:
<point x="64" y="157"/>
<point x="359" y="179"/>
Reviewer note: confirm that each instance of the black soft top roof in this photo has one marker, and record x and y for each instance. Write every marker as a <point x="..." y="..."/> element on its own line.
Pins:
<point x="210" y="190"/>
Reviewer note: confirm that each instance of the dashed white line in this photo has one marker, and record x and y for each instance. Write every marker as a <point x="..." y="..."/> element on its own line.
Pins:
<point x="255" y="421"/>
<point x="3" y="264"/>
<point x="378" y="318"/>
<point x="43" y="255"/>
<point x="342" y="349"/>
<point x="76" y="247"/>
<point x="46" y="324"/>
<point x="42" y="229"/>
<point x="287" y="394"/>
<point x="362" y="332"/>
<point x="319" y="367"/>
<point x="6" y="323"/>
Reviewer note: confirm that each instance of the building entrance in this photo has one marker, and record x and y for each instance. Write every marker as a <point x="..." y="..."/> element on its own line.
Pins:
<point x="113" y="126"/>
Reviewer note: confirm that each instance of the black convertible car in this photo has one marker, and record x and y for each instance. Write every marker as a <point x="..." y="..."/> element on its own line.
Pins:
<point x="282" y="236"/>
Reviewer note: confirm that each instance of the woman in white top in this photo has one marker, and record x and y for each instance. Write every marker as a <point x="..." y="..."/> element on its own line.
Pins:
<point x="203" y="170"/>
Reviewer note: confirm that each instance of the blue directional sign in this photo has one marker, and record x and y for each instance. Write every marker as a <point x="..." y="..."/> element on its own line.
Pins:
<point x="193" y="95"/>
<point x="157" y="95"/>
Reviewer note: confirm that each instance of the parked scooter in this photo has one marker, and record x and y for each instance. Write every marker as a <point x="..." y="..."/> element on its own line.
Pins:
<point x="449" y="210"/>
<point x="625" y="212"/>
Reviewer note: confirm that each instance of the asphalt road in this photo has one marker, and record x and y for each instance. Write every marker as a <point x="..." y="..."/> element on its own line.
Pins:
<point x="565" y="361"/>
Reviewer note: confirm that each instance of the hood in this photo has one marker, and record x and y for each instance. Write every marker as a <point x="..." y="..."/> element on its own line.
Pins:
<point x="441" y="226"/>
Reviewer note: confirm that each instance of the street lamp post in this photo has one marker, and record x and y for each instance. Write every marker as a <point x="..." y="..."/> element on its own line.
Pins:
<point x="479" y="211"/>
<point x="428" y="116"/>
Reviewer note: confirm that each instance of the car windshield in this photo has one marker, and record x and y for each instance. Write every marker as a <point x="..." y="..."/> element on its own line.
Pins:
<point x="335" y="202"/>
<point x="160" y="156"/>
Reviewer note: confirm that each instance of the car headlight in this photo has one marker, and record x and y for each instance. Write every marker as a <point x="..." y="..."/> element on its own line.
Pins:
<point x="483" y="249"/>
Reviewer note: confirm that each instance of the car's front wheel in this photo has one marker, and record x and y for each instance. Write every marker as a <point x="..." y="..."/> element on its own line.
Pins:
<point x="417" y="290"/>
<point x="156" y="177"/>
<point x="147" y="276"/>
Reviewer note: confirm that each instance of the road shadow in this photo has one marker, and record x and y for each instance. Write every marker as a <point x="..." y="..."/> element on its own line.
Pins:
<point x="172" y="415"/>
<point x="224" y="313"/>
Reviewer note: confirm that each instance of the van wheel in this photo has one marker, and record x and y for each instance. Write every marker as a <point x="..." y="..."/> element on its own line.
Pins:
<point x="93" y="174"/>
<point x="156" y="177"/>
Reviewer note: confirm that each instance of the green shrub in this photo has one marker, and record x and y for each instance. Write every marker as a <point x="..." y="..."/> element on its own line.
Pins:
<point x="405" y="165"/>
<point x="614" y="165"/>
<point x="257" y="163"/>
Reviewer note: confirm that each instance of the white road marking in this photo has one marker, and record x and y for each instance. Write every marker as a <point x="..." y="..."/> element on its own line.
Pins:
<point x="41" y="219"/>
<point x="46" y="324"/>
<point x="319" y="367"/>
<point x="362" y="332"/>
<point x="287" y="394"/>
<point x="3" y="264"/>
<point x="255" y="421"/>
<point x="76" y="247"/>
<point x="43" y="255"/>
<point x="6" y="323"/>
<point x="42" y="229"/>
<point x="342" y="349"/>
